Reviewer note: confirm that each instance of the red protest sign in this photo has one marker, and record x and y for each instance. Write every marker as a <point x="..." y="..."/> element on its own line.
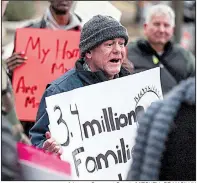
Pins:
<point x="50" y="54"/>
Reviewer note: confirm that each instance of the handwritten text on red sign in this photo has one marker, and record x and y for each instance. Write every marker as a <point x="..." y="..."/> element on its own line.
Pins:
<point x="50" y="54"/>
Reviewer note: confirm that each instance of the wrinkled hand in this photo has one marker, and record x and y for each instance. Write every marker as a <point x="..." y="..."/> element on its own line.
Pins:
<point x="15" y="60"/>
<point x="51" y="145"/>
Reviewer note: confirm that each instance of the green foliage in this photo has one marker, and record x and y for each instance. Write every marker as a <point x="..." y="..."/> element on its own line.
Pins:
<point x="20" y="10"/>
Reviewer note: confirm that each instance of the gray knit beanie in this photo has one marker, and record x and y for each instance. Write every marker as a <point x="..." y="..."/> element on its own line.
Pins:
<point x="99" y="29"/>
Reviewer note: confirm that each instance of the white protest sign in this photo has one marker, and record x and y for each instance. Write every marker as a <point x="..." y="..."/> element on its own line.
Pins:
<point x="96" y="125"/>
<point x="87" y="9"/>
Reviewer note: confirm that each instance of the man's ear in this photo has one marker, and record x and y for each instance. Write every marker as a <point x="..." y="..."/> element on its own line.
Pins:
<point x="89" y="54"/>
<point x="145" y="26"/>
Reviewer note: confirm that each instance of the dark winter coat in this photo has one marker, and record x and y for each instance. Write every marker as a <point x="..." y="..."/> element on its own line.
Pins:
<point x="176" y="63"/>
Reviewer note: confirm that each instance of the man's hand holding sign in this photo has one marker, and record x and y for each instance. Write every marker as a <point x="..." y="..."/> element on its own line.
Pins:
<point x="51" y="145"/>
<point x="16" y="60"/>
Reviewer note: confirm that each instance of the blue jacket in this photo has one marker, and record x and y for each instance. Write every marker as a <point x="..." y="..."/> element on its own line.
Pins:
<point x="72" y="79"/>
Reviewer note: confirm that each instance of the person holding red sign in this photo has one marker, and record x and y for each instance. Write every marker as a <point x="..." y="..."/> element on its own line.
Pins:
<point x="102" y="48"/>
<point x="57" y="16"/>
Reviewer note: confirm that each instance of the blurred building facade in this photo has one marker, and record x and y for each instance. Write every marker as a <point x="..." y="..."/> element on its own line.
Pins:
<point x="133" y="13"/>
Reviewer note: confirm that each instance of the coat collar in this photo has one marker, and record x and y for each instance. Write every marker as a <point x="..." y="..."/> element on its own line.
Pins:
<point x="145" y="46"/>
<point x="89" y="77"/>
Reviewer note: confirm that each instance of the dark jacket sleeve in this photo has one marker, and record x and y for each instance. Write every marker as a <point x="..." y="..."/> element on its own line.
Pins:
<point x="189" y="59"/>
<point x="37" y="132"/>
<point x="133" y="55"/>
